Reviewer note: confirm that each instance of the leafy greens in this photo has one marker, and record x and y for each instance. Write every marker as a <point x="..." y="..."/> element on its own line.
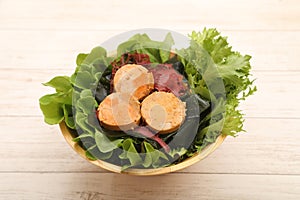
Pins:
<point x="208" y="61"/>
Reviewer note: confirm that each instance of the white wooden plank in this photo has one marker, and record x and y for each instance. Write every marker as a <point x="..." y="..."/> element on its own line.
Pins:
<point x="276" y="97"/>
<point x="99" y="15"/>
<point x="35" y="146"/>
<point x="269" y="147"/>
<point x="94" y="186"/>
<point x="58" y="49"/>
<point x="40" y="39"/>
<point x="23" y="92"/>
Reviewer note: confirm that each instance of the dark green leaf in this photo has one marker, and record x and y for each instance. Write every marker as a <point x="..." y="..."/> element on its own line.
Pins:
<point x="106" y="145"/>
<point x="77" y="139"/>
<point x="84" y="80"/>
<point x="130" y="152"/>
<point x="68" y="115"/>
<point x="87" y="104"/>
<point x="96" y="53"/>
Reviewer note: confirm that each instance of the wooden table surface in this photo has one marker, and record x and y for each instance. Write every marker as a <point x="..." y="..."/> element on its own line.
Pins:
<point x="40" y="39"/>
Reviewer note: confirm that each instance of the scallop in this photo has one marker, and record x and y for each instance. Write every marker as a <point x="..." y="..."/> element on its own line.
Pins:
<point x="163" y="112"/>
<point x="119" y="111"/>
<point x="135" y="80"/>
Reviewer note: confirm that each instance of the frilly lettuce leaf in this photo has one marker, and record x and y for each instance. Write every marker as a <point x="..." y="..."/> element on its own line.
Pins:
<point x="74" y="101"/>
<point x="98" y="144"/>
<point x="158" y="52"/>
<point x="54" y="106"/>
<point x="234" y="70"/>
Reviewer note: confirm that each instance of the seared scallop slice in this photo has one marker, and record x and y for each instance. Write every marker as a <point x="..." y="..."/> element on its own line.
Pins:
<point x="163" y="112"/>
<point x="135" y="80"/>
<point x="119" y="111"/>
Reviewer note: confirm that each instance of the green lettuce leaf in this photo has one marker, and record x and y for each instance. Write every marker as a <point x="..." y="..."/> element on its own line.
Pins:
<point x="208" y="61"/>
<point x="60" y="83"/>
<point x="53" y="112"/>
<point x="158" y="52"/>
<point x="208" y="51"/>
<point x="106" y="145"/>
<point x="130" y="153"/>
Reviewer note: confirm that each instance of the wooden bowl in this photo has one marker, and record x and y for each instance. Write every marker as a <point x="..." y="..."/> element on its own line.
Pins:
<point x="142" y="172"/>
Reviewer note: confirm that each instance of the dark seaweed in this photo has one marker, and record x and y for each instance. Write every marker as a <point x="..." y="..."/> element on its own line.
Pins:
<point x="196" y="109"/>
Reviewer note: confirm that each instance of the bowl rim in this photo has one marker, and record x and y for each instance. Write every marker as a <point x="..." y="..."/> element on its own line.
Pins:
<point x="141" y="172"/>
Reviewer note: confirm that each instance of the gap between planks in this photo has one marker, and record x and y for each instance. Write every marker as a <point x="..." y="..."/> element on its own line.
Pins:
<point x="124" y="30"/>
<point x="177" y="172"/>
<point x="172" y="186"/>
<point x="62" y="14"/>
<point x="245" y="117"/>
<point x="58" y="49"/>
<point x="269" y="147"/>
<point x="271" y="85"/>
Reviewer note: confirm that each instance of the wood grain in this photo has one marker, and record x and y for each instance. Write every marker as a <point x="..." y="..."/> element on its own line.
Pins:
<point x="170" y="14"/>
<point x="197" y="157"/>
<point x="56" y="49"/>
<point x="276" y="98"/>
<point x="99" y="186"/>
<point x="40" y="39"/>
<point x="270" y="146"/>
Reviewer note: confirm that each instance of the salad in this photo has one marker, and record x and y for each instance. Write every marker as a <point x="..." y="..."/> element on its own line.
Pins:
<point x="148" y="105"/>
